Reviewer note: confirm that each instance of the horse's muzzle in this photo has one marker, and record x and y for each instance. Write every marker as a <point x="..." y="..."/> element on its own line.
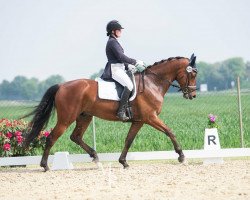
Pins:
<point x="189" y="95"/>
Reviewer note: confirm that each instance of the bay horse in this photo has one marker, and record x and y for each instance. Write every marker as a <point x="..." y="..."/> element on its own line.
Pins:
<point x="78" y="101"/>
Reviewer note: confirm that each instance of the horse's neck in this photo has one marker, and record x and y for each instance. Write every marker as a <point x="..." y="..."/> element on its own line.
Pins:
<point x="164" y="74"/>
<point x="167" y="71"/>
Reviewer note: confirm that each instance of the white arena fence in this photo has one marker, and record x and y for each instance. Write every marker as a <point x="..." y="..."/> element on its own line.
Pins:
<point x="109" y="157"/>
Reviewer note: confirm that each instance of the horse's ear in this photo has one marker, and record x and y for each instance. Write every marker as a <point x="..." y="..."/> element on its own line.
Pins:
<point x="192" y="61"/>
<point x="192" y="57"/>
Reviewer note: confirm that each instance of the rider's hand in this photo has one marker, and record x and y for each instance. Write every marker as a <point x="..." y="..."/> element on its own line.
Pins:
<point x="140" y="65"/>
<point x="132" y="68"/>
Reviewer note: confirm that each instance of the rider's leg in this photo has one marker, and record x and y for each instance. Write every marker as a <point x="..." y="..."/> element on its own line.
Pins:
<point x="121" y="113"/>
<point x="119" y="74"/>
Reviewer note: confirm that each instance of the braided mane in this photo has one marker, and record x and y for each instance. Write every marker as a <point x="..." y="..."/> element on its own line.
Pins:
<point x="166" y="60"/>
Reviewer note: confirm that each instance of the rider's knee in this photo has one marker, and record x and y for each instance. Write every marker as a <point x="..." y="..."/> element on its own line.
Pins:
<point x="130" y="86"/>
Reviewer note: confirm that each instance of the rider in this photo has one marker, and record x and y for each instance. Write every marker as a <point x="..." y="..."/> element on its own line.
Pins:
<point x="117" y="65"/>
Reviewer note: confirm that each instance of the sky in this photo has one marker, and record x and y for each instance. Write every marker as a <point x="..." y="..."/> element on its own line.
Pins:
<point x="68" y="37"/>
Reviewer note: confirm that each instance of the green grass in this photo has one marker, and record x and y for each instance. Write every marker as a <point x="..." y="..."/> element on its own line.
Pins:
<point x="188" y="120"/>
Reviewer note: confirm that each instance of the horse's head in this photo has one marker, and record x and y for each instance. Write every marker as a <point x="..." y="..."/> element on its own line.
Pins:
<point x="186" y="77"/>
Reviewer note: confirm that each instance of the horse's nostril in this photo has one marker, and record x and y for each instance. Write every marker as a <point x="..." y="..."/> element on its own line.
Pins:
<point x="194" y="96"/>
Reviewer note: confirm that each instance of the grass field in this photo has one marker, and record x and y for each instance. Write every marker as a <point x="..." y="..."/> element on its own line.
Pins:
<point x="186" y="118"/>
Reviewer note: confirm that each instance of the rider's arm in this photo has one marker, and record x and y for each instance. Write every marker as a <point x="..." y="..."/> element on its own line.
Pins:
<point x="118" y="51"/>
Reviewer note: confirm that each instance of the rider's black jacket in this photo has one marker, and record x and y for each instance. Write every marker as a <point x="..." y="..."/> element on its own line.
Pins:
<point x="115" y="54"/>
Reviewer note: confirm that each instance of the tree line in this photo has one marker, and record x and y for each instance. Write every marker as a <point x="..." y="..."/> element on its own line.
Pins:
<point x="217" y="76"/>
<point x="223" y="75"/>
<point x="22" y="88"/>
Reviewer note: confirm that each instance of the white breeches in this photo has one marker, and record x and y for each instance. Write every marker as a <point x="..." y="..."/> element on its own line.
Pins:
<point x="119" y="75"/>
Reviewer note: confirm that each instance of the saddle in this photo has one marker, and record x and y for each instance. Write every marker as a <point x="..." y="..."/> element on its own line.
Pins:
<point x="112" y="90"/>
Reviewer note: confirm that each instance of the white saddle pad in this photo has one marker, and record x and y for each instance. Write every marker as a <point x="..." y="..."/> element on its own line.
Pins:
<point x="107" y="90"/>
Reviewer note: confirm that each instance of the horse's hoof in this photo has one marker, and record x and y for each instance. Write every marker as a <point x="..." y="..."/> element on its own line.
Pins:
<point x="185" y="162"/>
<point x="126" y="166"/>
<point x="46" y="169"/>
<point x="181" y="159"/>
<point x="124" y="163"/>
<point x="95" y="160"/>
<point x="45" y="166"/>
<point x="99" y="165"/>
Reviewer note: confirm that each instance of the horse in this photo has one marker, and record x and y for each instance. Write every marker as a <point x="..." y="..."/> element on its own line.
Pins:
<point x="78" y="101"/>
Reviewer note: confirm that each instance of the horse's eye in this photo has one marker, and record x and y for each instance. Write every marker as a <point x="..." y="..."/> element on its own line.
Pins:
<point x="194" y="74"/>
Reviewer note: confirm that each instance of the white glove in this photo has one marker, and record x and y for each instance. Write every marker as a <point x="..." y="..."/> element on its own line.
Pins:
<point x="132" y="68"/>
<point x="140" y="66"/>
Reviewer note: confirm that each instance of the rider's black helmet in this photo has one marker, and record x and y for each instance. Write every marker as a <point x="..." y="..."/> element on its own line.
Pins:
<point x="113" y="25"/>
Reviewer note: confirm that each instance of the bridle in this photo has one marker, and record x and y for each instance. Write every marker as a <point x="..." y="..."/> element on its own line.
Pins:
<point x="187" y="89"/>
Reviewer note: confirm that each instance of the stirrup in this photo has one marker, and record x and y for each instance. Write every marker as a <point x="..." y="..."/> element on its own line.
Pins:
<point x="122" y="116"/>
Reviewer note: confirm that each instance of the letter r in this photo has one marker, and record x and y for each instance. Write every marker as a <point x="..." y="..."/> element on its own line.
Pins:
<point x="211" y="138"/>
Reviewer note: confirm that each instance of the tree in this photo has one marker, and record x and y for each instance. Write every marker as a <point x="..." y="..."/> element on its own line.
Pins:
<point x="22" y="88"/>
<point x="245" y="82"/>
<point x="209" y="74"/>
<point x="203" y="69"/>
<point x="220" y="75"/>
<point x="4" y="89"/>
<point x="44" y="85"/>
<point x="30" y="89"/>
<point x="16" y="88"/>
<point x="247" y="75"/>
<point x="231" y="69"/>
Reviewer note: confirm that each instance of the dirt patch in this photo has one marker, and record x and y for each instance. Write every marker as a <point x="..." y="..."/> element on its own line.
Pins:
<point x="143" y="180"/>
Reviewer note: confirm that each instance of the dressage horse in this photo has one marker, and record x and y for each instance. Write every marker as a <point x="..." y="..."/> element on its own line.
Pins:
<point x="78" y="101"/>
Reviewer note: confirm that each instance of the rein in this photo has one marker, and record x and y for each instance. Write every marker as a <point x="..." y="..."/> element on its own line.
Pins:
<point x="169" y="82"/>
<point x="186" y="90"/>
<point x="141" y="77"/>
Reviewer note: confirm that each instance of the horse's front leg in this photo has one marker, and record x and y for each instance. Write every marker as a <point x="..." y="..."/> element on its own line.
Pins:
<point x="159" y="125"/>
<point x="135" y="127"/>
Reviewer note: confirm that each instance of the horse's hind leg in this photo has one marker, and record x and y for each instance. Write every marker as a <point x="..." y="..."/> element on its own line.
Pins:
<point x="82" y="123"/>
<point x="50" y="141"/>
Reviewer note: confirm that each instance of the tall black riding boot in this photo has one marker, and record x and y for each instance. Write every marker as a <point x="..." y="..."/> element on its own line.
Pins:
<point x="121" y="113"/>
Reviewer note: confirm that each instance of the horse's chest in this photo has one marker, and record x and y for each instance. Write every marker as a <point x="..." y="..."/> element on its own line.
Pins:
<point x="153" y="102"/>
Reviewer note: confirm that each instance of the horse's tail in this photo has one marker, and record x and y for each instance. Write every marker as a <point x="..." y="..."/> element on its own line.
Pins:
<point x="41" y="114"/>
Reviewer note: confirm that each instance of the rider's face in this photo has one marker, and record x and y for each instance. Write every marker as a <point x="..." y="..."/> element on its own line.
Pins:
<point x="118" y="33"/>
